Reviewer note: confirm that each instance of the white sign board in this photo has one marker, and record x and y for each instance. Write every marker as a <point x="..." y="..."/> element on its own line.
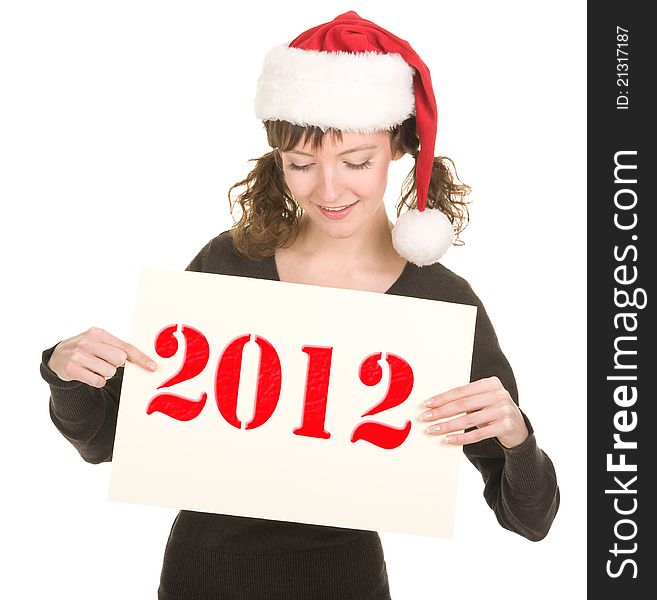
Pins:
<point x="258" y="406"/>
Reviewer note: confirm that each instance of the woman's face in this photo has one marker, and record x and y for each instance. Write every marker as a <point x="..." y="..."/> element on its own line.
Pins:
<point x="340" y="186"/>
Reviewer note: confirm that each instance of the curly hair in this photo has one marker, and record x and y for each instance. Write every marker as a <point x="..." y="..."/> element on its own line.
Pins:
<point x="270" y="216"/>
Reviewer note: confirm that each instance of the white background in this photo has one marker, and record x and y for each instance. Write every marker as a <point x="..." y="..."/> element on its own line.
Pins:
<point x="123" y="124"/>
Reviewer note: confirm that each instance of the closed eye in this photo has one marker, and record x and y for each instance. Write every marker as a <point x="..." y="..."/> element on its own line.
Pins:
<point x="294" y="167"/>
<point x="366" y="165"/>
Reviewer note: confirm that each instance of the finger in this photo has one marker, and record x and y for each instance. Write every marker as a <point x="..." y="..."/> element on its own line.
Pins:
<point x="110" y="354"/>
<point x="94" y="364"/>
<point x="133" y="353"/>
<point x="470" y="437"/>
<point x="460" y="405"/>
<point x="475" y="419"/>
<point x="78" y="373"/>
<point x="469" y="389"/>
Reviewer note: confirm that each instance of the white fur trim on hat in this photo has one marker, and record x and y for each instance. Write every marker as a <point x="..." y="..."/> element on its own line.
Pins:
<point x="422" y="237"/>
<point x="363" y="92"/>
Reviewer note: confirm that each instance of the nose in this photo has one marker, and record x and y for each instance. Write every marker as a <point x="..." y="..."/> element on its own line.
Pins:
<point x="330" y="187"/>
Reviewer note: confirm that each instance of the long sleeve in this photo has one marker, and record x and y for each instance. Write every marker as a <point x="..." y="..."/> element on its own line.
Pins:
<point x="85" y="415"/>
<point x="520" y="484"/>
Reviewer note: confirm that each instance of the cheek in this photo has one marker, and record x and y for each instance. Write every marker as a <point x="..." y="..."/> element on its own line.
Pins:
<point x="296" y="183"/>
<point x="375" y="182"/>
<point x="368" y="183"/>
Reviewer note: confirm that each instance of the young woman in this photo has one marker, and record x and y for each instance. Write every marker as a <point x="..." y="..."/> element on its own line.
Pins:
<point x="339" y="104"/>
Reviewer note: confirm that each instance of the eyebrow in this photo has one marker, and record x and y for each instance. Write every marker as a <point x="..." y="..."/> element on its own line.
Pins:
<point x="357" y="149"/>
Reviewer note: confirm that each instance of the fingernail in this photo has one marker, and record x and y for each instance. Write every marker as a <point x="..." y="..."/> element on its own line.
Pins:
<point x="426" y="415"/>
<point x="433" y="429"/>
<point x="428" y="402"/>
<point x="151" y="365"/>
<point x="448" y="440"/>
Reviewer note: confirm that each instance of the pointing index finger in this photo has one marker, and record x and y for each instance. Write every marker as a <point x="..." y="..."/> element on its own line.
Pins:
<point x="133" y="353"/>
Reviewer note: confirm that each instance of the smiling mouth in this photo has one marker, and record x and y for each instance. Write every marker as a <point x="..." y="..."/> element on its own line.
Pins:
<point x="336" y="208"/>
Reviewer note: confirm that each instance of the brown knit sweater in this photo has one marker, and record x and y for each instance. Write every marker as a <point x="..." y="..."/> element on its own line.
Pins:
<point x="211" y="556"/>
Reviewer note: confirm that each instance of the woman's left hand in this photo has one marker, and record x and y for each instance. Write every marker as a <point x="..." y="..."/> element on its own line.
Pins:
<point x="487" y="406"/>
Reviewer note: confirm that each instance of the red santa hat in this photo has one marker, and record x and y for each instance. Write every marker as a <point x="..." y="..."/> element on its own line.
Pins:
<point x="352" y="75"/>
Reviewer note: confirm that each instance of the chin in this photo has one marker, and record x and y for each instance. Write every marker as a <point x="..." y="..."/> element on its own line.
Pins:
<point x="339" y="231"/>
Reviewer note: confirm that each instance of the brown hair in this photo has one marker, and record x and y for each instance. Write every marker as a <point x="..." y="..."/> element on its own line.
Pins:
<point x="270" y="217"/>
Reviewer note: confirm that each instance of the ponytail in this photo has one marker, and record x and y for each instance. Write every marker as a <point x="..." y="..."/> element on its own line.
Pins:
<point x="270" y="216"/>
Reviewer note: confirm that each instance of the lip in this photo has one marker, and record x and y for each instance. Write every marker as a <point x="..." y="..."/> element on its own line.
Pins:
<point x="337" y="215"/>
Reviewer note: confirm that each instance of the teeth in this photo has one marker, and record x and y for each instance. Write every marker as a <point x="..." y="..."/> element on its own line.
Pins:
<point x="336" y="209"/>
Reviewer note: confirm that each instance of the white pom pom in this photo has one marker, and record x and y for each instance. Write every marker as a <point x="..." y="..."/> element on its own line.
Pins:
<point x="422" y="237"/>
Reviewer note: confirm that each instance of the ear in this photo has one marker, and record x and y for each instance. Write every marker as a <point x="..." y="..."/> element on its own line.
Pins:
<point x="398" y="154"/>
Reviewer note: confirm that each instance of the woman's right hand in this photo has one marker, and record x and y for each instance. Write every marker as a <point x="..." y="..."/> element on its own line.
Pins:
<point x="93" y="357"/>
